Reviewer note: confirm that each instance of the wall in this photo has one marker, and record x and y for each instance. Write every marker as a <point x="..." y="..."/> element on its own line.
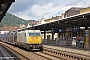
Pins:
<point x="85" y="10"/>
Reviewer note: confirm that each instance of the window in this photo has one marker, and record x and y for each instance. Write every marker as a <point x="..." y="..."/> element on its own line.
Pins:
<point x="31" y="34"/>
<point x="37" y="34"/>
<point x="34" y="34"/>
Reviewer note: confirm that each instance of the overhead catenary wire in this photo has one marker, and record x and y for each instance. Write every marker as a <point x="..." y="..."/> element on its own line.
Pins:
<point x="53" y="10"/>
<point x="26" y="5"/>
<point x="63" y="7"/>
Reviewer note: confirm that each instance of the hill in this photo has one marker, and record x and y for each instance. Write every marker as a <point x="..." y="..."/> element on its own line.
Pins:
<point x="10" y="19"/>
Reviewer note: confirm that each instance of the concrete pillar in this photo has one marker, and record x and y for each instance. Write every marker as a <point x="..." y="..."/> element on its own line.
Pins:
<point x="63" y="35"/>
<point x="45" y="38"/>
<point x="44" y="34"/>
<point x="87" y="39"/>
<point x="52" y="34"/>
<point x="71" y="34"/>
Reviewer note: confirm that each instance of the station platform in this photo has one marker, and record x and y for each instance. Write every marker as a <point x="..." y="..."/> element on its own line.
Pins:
<point x="62" y="43"/>
<point x="70" y="49"/>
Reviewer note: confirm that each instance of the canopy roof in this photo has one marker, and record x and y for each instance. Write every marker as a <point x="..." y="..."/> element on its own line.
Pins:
<point x="81" y="20"/>
<point x="4" y="6"/>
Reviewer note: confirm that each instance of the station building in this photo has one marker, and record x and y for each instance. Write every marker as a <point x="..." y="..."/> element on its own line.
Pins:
<point x="49" y="32"/>
<point x="85" y="10"/>
<point x="68" y="20"/>
<point x="70" y="12"/>
<point x="87" y="30"/>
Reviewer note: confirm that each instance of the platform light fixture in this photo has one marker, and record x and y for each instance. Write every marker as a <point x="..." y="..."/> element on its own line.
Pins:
<point x="82" y="27"/>
<point x="89" y="27"/>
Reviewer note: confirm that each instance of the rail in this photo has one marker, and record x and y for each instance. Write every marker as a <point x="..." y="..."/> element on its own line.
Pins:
<point x="67" y="55"/>
<point x="22" y="57"/>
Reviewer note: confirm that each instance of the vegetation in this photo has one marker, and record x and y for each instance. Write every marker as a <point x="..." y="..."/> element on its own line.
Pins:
<point x="10" y="19"/>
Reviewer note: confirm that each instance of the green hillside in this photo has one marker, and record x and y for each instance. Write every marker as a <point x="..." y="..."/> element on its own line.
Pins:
<point x="10" y="19"/>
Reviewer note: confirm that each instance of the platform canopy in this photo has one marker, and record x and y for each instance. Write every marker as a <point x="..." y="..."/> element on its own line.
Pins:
<point x="4" y="6"/>
<point x="81" y="20"/>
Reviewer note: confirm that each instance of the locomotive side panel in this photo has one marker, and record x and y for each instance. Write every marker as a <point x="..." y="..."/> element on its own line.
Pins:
<point x="21" y="37"/>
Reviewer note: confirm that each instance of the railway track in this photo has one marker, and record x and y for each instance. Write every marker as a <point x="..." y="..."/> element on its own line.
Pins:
<point x="49" y="56"/>
<point x="6" y="54"/>
<point x="53" y="54"/>
<point x="67" y="55"/>
<point x="42" y="54"/>
<point x="38" y="53"/>
<point x="20" y="56"/>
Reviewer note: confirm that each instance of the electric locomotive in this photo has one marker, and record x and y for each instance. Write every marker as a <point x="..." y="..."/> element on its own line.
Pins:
<point x="29" y="39"/>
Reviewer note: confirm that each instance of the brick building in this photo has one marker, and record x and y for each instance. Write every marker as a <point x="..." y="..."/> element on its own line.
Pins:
<point x="53" y="19"/>
<point x="9" y="27"/>
<point x="6" y="28"/>
<point x="33" y="23"/>
<point x="49" y="20"/>
<point x="85" y="10"/>
<point x="72" y="11"/>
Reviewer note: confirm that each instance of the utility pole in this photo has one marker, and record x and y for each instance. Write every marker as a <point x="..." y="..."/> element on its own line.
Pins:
<point x="42" y="16"/>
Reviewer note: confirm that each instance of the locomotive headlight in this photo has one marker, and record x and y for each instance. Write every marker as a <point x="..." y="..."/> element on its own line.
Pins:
<point x="39" y="42"/>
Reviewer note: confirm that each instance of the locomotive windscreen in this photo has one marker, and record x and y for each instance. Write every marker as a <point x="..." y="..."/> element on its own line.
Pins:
<point x="31" y="34"/>
<point x="37" y="34"/>
<point x="34" y="34"/>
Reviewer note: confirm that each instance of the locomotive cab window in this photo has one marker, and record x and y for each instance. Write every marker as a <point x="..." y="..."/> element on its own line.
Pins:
<point x="31" y="34"/>
<point x="37" y="34"/>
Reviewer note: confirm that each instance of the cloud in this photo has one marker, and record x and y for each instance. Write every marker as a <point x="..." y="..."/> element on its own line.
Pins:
<point x="85" y="3"/>
<point x="24" y="16"/>
<point x="38" y="9"/>
<point x="18" y="6"/>
<point x="49" y="8"/>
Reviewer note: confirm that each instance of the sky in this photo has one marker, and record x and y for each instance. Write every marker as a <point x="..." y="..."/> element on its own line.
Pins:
<point x="34" y="9"/>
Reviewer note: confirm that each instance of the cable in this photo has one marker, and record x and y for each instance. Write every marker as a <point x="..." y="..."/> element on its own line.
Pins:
<point x="26" y="5"/>
<point x="63" y="7"/>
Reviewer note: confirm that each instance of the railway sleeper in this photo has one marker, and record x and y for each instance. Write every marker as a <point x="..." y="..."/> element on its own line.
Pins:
<point x="68" y="55"/>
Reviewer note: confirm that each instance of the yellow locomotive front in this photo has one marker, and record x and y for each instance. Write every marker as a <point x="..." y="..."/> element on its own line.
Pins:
<point x="35" y="40"/>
